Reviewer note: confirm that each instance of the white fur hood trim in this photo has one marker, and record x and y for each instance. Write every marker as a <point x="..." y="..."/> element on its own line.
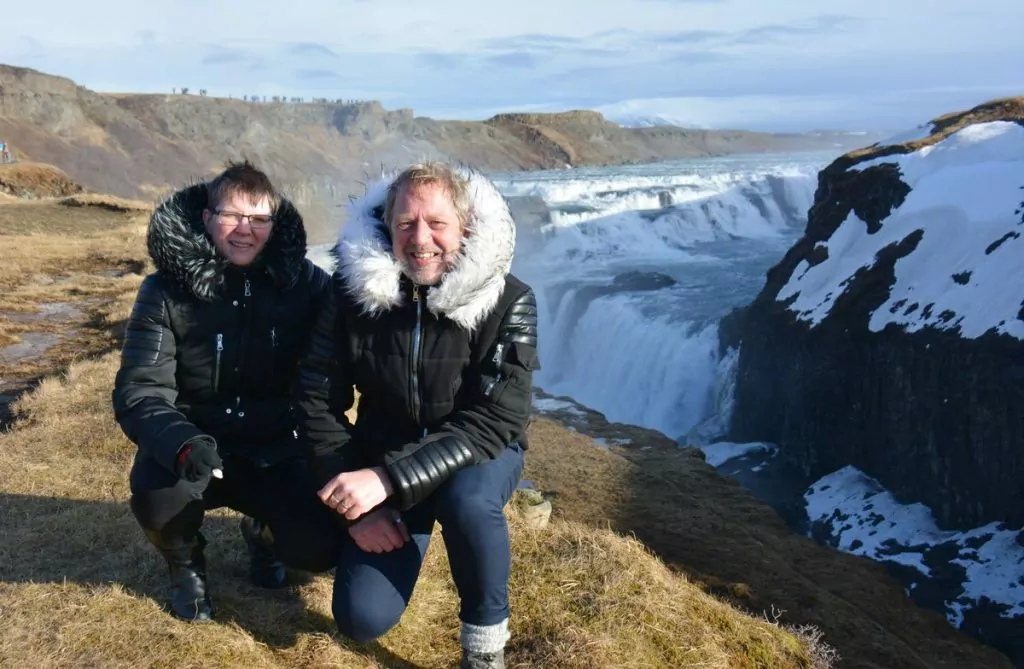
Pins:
<point x="467" y="293"/>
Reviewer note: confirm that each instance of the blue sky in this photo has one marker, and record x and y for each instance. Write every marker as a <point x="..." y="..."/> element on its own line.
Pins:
<point x="758" y="64"/>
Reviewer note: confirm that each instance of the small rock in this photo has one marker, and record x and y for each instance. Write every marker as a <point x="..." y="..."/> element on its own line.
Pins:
<point x="533" y="508"/>
<point x="537" y="516"/>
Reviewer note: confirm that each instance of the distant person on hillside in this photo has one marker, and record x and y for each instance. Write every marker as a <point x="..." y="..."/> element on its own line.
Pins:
<point x="209" y="362"/>
<point x="441" y="343"/>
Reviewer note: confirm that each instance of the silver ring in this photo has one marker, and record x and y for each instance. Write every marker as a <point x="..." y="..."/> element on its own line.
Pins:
<point x="398" y="521"/>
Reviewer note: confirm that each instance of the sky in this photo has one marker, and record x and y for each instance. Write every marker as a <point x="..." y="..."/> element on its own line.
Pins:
<point x="780" y="65"/>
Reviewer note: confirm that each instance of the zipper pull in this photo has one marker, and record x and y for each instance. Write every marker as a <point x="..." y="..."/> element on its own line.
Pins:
<point x="216" y="365"/>
<point x="415" y="293"/>
<point x="497" y="354"/>
<point x="273" y="337"/>
<point x="248" y="289"/>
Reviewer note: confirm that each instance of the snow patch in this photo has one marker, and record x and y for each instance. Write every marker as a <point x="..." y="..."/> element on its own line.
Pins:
<point x="551" y="405"/>
<point x="606" y="444"/>
<point x="721" y="452"/>
<point x="965" y="273"/>
<point x="866" y="519"/>
<point x="913" y="135"/>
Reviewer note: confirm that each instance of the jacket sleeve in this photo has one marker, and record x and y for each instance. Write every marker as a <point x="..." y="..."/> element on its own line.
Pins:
<point x="145" y="388"/>
<point x="497" y="414"/>
<point x="322" y="395"/>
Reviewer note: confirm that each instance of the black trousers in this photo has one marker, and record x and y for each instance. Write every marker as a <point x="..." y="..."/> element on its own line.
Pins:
<point x="307" y="535"/>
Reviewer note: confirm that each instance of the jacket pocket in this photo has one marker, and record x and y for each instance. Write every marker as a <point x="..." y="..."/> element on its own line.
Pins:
<point x="511" y="367"/>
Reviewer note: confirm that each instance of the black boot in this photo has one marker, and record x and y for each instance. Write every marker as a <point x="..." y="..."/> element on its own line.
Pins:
<point x="186" y="567"/>
<point x="265" y="570"/>
<point x="472" y="660"/>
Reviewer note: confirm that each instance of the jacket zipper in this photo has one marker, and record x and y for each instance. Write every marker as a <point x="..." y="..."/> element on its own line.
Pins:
<point x="272" y="363"/>
<point x="216" y="366"/>
<point x="246" y="320"/>
<point x="414" y="359"/>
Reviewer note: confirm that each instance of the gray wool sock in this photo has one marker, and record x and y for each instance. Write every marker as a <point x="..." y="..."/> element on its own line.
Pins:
<point x="484" y="638"/>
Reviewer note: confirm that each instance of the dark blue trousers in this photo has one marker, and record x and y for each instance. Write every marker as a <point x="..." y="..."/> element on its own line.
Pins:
<point x="371" y="591"/>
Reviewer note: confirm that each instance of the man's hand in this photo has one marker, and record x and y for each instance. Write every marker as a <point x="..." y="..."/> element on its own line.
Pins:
<point x="380" y="531"/>
<point x="352" y="494"/>
<point x="198" y="460"/>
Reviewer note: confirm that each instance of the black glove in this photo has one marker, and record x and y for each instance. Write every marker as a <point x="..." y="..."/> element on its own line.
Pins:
<point x="197" y="460"/>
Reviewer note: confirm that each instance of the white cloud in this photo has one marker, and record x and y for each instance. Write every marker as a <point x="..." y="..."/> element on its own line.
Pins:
<point x="795" y="60"/>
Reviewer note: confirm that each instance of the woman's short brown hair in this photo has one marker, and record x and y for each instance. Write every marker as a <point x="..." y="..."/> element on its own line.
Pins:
<point x="240" y="178"/>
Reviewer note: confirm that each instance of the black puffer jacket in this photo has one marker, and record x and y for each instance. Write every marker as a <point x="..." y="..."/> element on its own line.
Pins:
<point x="212" y="349"/>
<point x="444" y="374"/>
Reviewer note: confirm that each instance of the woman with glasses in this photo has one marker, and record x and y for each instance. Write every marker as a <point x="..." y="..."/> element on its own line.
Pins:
<point x="209" y="362"/>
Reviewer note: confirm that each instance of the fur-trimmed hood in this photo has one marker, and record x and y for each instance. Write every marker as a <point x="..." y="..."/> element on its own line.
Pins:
<point x="180" y="248"/>
<point x="468" y="292"/>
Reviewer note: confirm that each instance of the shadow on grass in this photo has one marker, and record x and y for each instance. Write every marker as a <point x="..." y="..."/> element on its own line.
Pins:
<point x="98" y="543"/>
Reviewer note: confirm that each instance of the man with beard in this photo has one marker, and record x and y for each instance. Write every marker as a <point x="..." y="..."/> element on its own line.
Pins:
<point x="440" y="341"/>
<point x="204" y="389"/>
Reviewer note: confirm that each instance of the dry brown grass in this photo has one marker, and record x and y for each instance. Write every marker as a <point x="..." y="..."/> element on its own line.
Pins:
<point x="80" y="586"/>
<point x="66" y="272"/>
<point x="108" y="202"/>
<point x="1003" y="109"/>
<point x="36" y="181"/>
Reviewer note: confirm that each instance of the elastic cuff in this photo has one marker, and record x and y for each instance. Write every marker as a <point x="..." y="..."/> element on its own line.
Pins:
<point x="484" y="638"/>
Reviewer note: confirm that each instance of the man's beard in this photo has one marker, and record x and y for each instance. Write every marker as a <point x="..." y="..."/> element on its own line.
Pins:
<point x="431" y="275"/>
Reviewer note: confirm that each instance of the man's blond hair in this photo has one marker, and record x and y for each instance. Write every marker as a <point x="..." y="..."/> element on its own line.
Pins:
<point x="430" y="174"/>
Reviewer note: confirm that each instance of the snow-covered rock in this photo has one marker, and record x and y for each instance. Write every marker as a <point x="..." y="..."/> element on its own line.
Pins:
<point x="885" y="357"/>
<point x="891" y="336"/>
<point x="974" y="577"/>
<point x="963" y="208"/>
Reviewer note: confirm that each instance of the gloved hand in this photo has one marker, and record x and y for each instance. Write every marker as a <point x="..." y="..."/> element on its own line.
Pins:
<point x="197" y="460"/>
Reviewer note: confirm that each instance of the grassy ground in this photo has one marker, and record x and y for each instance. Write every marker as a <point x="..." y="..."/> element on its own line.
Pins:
<point x="68" y="271"/>
<point x="35" y="180"/>
<point x="80" y="586"/>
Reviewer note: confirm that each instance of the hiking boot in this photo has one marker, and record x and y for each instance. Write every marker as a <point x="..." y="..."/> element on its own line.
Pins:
<point x="186" y="567"/>
<point x="189" y="599"/>
<point x="265" y="570"/>
<point x="471" y="660"/>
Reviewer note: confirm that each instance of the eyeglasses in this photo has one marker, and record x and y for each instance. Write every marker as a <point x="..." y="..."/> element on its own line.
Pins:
<point x="234" y="218"/>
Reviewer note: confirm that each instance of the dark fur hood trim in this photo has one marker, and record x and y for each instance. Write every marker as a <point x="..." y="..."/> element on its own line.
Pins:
<point x="180" y="248"/>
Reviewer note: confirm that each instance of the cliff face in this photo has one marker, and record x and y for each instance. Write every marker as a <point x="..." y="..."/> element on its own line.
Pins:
<point x="139" y="145"/>
<point x="890" y="336"/>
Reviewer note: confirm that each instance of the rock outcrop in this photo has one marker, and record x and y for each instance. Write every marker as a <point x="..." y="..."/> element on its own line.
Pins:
<point x="890" y="336"/>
